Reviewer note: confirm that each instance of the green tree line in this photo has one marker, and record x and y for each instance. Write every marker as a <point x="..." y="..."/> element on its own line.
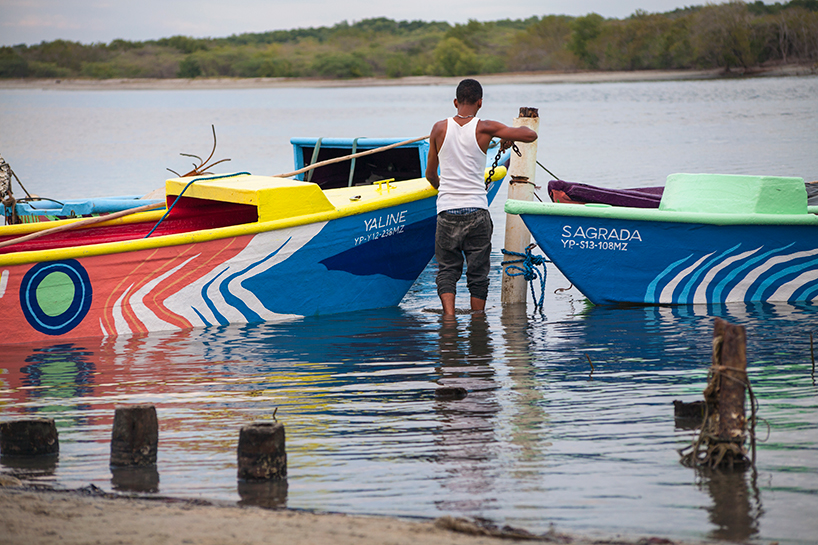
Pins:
<point x="732" y="35"/>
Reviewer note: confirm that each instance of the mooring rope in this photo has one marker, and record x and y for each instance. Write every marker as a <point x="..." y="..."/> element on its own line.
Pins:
<point x="526" y="266"/>
<point x="707" y="448"/>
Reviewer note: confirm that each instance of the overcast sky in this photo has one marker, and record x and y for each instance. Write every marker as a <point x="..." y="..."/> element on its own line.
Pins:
<point x="88" y="21"/>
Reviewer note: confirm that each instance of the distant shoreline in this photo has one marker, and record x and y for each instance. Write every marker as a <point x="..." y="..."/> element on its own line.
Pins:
<point x="486" y="79"/>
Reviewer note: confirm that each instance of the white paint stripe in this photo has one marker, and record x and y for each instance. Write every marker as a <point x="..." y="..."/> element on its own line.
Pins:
<point x="214" y="294"/>
<point x="249" y="298"/>
<point x="4" y="280"/>
<point x="184" y="301"/>
<point x="739" y="292"/>
<point x="785" y="291"/>
<point x="701" y="292"/>
<point x="151" y="321"/>
<point x="667" y="293"/>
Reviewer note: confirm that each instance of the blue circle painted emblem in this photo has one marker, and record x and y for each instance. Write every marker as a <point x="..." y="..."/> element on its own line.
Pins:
<point x="55" y="296"/>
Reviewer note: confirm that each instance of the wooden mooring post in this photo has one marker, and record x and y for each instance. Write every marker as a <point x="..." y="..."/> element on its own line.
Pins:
<point x="262" y="453"/>
<point x="29" y="437"/>
<point x="135" y="436"/>
<point x="721" y="439"/>
<point x="521" y="187"/>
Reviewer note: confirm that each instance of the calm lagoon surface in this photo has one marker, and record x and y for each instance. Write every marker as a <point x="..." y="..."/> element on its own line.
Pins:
<point x="569" y="418"/>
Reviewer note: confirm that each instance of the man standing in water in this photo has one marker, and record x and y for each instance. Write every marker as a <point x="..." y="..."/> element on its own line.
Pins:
<point x="464" y="227"/>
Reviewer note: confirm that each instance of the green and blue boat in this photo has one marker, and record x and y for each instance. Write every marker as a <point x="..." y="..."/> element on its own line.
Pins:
<point x="712" y="239"/>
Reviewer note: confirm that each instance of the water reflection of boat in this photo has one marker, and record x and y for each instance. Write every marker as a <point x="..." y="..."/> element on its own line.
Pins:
<point x="712" y="239"/>
<point x="317" y="371"/>
<point x="63" y="370"/>
<point x="312" y="352"/>
<point x="230" y="248"/>
<point x="655" y="339"/>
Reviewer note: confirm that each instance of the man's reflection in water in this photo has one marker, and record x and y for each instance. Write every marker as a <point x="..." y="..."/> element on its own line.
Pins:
<point x="466" y="441"/>
<point x="735" y="511"/>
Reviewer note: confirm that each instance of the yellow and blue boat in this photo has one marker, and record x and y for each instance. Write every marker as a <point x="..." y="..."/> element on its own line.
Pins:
<point x="231" y="248"/>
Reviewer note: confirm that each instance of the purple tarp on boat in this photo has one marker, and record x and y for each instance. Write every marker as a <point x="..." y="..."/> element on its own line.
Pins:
<point x="635" y="197"/>
<point x="573" y="192"/>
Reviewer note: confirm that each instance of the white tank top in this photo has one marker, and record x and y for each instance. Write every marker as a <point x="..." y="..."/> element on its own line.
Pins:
<point x="462" y="168"/>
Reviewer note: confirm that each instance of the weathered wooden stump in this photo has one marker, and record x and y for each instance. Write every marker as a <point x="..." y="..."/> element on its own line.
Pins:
<point x="724" y="430"/>
<point x="29" y="437"/>
<point x="262" y="453"/>
<point x="135" y="436"/>
<point x="727" y="387"/>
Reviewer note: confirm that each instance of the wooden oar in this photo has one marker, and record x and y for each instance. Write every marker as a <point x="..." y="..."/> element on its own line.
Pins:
<point x="348" y="157"/>
<point x="81" y="223"/>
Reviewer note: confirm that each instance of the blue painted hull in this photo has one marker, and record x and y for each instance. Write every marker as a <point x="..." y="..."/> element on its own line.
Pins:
<point x="353" y="263"/>
<point x="615" y="261"/>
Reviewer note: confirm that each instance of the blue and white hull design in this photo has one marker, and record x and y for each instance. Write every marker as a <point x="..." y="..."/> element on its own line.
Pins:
<point x="615" y="261"/>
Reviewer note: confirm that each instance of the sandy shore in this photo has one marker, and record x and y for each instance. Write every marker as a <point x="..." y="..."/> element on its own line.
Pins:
<point x="487" y="79"/>
<point x="90" y="516"/>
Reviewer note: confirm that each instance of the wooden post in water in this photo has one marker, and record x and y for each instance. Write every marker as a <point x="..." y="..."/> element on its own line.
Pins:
<point x="29" y="437"/>
<point x="724" y="430"/>
<point x="521" y="188"/>
<point x="262" y="454"/>
<point x="725" y="393"/>
<point x="135" y="436"/>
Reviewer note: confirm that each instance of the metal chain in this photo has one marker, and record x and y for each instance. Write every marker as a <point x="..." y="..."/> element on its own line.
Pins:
<point x="504" y="145"/>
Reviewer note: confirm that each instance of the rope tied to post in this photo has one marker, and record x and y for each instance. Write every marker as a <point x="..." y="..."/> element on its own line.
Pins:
<point x="526" y="266"/>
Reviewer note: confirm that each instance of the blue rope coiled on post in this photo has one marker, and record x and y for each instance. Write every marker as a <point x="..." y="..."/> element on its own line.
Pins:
<point x="526" y="266"/>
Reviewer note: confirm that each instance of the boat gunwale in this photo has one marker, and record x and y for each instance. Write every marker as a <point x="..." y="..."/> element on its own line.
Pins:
<point x="608" y="212"/>
<point x="376" y="202"/>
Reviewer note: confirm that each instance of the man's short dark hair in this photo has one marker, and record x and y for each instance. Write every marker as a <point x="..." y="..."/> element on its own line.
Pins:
<point x="469" y="91"/>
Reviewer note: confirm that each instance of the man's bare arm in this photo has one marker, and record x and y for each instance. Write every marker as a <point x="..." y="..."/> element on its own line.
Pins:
<point x="431" y="169"/>
<point x="433" y="161"/>
<point x="494" y="129"/>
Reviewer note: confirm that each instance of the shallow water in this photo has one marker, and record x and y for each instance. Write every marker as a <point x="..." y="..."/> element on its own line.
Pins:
<point x="542" y="438"/>
<point x="569" y="418"/>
